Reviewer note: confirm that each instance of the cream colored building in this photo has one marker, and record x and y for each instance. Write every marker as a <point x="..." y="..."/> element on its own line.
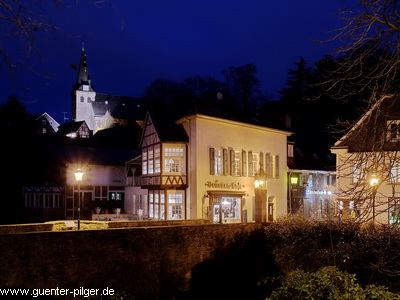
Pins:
<point x="368" y="165"/>
<point x="203" y="167"/>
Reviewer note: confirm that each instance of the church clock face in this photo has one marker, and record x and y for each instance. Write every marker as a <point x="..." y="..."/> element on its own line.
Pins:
<point x="85" y="87"/>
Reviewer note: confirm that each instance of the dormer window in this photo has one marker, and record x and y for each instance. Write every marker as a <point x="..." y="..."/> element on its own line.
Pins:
<point x="393" y="130"/>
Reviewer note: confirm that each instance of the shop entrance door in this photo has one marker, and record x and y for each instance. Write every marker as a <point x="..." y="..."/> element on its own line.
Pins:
<point x="216" y="214"/>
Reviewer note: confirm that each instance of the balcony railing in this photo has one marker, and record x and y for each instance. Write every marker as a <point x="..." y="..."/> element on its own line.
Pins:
<point x="134" y="181"/>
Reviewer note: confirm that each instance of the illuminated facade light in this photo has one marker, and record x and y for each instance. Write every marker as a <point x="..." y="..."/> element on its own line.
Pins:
<point x="78" y="175"/>
<point x="374" y="180"/>
<point x="294" y="180"/>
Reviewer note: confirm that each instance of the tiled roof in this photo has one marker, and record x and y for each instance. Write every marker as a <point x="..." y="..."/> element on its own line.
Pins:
<point x="370" y="132"/>
<point x="166" y="127"/>
<point x="121" y="107"/>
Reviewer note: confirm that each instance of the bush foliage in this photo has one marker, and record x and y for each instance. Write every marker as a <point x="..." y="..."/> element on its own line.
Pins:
<point x="328" y="283"/>
<point x="370" y="252"/>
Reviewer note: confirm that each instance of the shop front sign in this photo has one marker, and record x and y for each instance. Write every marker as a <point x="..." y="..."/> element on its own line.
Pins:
<point x="222" y="185"/>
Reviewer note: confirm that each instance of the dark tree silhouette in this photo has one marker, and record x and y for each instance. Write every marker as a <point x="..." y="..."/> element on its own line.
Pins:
<point x="243" y="85"/>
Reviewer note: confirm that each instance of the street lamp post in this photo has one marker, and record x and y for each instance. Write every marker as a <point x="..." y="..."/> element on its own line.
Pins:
<point x="260" y="190"/>
<point x="374" y="181"/>
<point x="78" y="178"/>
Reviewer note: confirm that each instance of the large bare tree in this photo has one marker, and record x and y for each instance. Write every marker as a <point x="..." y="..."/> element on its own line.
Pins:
<point x="368" y="66"/>
<point x="23" y="24"/>
<point x="369" y="48"/>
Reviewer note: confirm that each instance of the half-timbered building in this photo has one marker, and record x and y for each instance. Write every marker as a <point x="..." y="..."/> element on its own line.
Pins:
<point x="201" y="166"/>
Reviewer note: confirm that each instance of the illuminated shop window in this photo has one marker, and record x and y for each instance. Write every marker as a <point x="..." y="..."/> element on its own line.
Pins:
<point x="175" y="206"/>
<point x="230" y="209"/>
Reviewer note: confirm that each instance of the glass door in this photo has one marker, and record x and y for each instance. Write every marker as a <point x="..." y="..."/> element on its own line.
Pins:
<point x="216" y="214"/>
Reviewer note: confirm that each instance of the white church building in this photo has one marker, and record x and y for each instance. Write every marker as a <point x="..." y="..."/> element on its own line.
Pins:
<point x="101" y="111"/>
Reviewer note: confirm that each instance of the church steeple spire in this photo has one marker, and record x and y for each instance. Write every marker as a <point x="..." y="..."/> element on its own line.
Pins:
<point x="83" y="95"/>
<point x="83" y="81"/>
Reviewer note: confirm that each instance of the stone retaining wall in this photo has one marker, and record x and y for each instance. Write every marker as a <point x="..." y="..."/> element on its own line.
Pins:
<point x="144" y="261"/>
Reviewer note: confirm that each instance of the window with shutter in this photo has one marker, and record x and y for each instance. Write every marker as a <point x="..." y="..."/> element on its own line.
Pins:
<point x="235" y="163"/>
<point x="212" y="161"/>
<point x="268" y="165"/>
<point x="225" y="158"/>
<point x="250" y="164"/>
<point x="276" y="167"/>
<point x="244" y="163"/>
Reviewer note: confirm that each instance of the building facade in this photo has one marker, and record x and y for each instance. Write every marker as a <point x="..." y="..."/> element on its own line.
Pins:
<point x="204" y="167"/>
<point x="102" y="188"/>
<point x="368" y="164"/>
<point x="311" y="193"/>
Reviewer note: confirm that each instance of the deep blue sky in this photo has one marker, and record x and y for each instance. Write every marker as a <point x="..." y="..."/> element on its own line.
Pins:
<point x="136" y="42"/>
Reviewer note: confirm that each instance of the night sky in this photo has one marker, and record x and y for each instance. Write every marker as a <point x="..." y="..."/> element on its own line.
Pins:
<point x="136" y="42"/>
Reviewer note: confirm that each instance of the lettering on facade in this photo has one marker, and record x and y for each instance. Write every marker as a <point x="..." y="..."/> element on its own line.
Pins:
<point x="222" y="185"/>
<point x="318" y="192"/>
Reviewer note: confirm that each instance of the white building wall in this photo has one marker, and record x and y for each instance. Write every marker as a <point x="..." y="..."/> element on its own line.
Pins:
<point x="345" y="185"/>
<point x="205" y="132"/>
<point x="84" y="110"/>
<point x="97" y="175"/>
<point x="130" y="193"/>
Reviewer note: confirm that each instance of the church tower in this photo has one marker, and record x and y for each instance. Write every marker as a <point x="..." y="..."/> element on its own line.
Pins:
<point x="83" y="94"/>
